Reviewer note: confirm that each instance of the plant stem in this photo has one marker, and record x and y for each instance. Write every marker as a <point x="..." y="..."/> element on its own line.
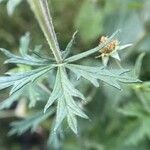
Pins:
<point x="42" y="13"/>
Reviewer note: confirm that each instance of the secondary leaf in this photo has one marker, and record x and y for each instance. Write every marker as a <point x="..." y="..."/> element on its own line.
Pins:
<point x="131" y="110"/>
<point x="31" y="122"/>
<point x="11" y="5"/>
<point x="69" y="46"/>
<point x="24" y="44"/>
<point x="1" y="1"/>
<point x="36" y="93"/>
<point x="138" y="64"/>
<point x="138" y="129"/>
<point x="10" y="100"/>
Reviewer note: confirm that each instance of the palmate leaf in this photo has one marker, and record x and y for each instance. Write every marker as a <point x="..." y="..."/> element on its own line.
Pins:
<point x="111" y="77"/>
<point x="19" y="80"/>
<point x="31" y="122"/>
<point x="63" y="93"/>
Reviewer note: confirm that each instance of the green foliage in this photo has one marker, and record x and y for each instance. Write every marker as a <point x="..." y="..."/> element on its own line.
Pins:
<point x="19" y="80"/>
<point x="138" y="64"/>
<point x="11" y="5"/>
<point x="25" y="58"/>
<point x="91" y="51"/>
<point x="89" y="21"/>
<point x="30" y="123"/>
<point x="9" y="101"/>
<point x="67" y="51"/>
<point x="111" y="77"/>
<point x="64" y="90"/>
<point x="119" y="118"/>
<point x="138" y="129"/>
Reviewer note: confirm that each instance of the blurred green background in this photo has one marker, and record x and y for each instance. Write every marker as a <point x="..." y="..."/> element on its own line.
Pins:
<point x="120" y="120"/>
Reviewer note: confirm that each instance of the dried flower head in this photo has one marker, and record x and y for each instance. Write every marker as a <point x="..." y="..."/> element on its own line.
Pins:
<point x="109" y="47"/>
<point x="110" y="50"/>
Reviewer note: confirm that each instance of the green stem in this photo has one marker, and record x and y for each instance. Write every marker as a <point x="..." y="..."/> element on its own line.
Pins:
<point x="42" y="13"/>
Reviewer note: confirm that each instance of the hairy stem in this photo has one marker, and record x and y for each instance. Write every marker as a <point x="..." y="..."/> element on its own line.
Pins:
<point x="42" y="13"/>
